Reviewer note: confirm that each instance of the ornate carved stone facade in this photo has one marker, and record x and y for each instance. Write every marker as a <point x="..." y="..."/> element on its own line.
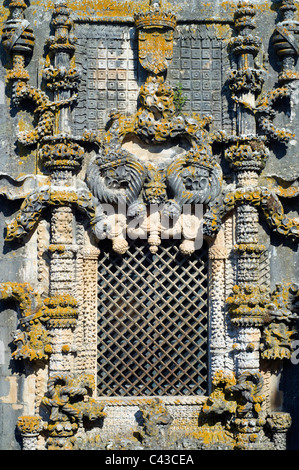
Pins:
<point x="147" y="196"/>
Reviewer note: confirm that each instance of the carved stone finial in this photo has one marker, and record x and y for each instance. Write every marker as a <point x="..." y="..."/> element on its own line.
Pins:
<point x="287" y="9"/>
<point x="285" y="41"/>
<point x="18" y="40"/>
<point x="63" y="41"/>
<point x="244" y="17"/>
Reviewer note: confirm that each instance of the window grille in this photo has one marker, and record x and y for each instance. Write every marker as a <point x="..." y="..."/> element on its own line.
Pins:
<point x="152" y="322"/>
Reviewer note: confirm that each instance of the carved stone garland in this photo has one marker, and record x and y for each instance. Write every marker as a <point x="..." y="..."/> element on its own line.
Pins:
<point x="152" y="193"/>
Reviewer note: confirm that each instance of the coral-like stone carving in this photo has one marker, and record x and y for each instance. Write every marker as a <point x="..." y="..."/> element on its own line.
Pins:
<point x="35" y="203"/>
<point x="66" y="400"/>
<point x="232" y="415"/>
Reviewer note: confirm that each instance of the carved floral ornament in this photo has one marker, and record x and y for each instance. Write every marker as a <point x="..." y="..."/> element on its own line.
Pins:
<point x="149" y="173"/>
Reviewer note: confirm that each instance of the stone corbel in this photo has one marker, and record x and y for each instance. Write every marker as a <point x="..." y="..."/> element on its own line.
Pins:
<point x="32" y="340"/>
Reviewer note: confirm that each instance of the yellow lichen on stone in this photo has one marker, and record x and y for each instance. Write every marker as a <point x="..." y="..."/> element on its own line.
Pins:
<point x="94" y="9"/>
<point x="29" y="424"/>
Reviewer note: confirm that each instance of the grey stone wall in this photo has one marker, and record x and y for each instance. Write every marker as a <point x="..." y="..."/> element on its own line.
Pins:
<point x="18" y="260"/>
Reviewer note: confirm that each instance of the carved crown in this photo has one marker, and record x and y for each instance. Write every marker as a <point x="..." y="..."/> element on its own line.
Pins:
<point x="155" y="18"/>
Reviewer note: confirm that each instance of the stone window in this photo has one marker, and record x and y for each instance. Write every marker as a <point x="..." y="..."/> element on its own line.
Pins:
<point x="152" y="319"/>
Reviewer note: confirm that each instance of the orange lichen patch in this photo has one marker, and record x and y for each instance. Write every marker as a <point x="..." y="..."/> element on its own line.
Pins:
<point x="24" y="294"/>
<point x="222" y="31"/>
<point x="84" y="9"/>
<point x="230" y="6"/>
<point x="215" y="434"/>
<point x="29" y="424"/>
<point x="31" y="343"/>
<point x="23" y="124"/>
<point x="4" y="13"/>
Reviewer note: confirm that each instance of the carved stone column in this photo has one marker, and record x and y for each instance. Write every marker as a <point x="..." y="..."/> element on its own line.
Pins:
<point x="62" y="157"/>
<point x="279" y="423"/>
<point x="246" y="157"/>
<point x="62" y="306"/>
<point x="217" y="328"/>
<point x="86" y="331"/>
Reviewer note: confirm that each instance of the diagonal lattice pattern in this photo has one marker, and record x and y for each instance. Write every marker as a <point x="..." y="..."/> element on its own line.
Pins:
<point x="152" y="321"/>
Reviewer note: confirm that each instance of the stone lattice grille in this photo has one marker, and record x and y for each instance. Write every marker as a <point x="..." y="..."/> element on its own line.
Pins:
<point x="152" y="337"/>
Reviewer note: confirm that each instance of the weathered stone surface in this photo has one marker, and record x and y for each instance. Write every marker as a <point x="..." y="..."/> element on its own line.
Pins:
<point x="200" y="106"/>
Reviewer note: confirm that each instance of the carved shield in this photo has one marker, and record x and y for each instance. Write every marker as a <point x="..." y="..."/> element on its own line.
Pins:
<point x="155" y="49"/>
